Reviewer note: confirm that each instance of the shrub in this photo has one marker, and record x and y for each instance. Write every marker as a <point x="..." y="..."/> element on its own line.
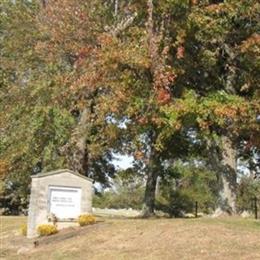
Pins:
<point x="183" y="185"/>
<point x="128" y="192"/>
<point x="47" y="230"/>
<point x="247" y="190"/>
<point x="23" y="229"/>
<point x="120" y="200"/>
<point x="86" y="220"/>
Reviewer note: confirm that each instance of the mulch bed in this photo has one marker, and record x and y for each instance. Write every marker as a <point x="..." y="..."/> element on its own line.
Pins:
<point x="64" y="234"/>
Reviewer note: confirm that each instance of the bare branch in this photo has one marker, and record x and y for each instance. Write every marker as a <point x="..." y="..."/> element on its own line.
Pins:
<point x="121" y="26"/>
<point x="116" y="8"/>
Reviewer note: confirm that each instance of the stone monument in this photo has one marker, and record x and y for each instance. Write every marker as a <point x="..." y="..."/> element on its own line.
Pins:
<point x="62" y="194"/>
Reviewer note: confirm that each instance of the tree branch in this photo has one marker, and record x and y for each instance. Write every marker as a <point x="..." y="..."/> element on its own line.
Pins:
<point x="121" y="26"/>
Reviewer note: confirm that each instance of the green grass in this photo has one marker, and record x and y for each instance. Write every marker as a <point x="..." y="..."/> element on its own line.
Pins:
<point x="235" y="223"/>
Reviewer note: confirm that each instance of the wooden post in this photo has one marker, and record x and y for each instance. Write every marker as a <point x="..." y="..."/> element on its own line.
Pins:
<point x="196" y="209"/>
<point x="255" y="206"/>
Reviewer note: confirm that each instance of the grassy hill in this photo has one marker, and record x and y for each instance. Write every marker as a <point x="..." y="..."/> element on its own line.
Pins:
<point x="205" y="238"/>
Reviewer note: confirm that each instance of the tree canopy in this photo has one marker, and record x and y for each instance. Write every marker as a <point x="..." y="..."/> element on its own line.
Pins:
<point x="159" y="80"/>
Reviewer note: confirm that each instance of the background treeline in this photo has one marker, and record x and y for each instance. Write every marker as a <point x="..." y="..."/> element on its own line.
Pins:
<point x="175" y="84"/>
<point x="178" y="194"/>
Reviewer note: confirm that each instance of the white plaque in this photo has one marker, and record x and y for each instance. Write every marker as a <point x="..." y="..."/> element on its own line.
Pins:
<point x="65" y="202"/>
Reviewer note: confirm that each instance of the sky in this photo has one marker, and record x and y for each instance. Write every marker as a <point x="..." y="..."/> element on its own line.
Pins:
<point x="122" y="161"/>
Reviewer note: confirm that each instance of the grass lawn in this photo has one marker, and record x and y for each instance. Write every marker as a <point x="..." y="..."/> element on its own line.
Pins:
<point x="10" y="224"/>
<point x="115" y="239"/>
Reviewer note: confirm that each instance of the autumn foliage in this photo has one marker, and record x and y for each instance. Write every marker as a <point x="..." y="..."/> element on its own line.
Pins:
<point x="88" y="79"/>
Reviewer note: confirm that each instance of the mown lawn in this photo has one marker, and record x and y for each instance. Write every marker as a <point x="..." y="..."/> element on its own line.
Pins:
<point x="205" y="238"/>
<point x="10" y="224"/>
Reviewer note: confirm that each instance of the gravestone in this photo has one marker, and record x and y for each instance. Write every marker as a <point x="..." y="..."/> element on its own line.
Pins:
<point x="62" y="194"/>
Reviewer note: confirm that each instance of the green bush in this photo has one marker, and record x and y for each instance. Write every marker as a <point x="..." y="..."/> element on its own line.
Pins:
<point x="84" y="220"/>
<point x="47" y="229"/>
<point x="247" y="190"/>
<point x="128" y="192"/>
<point x="23" y="229"/>
<point x="120" y="199"/>
<point x="182" y="186"/>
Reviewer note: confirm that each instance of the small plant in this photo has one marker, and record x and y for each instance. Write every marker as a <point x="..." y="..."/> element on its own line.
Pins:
<point x="52" y="218"/>
<point x="47" y="229"/>
<point x="86" y="220"/>
<point x="23" y="229"/>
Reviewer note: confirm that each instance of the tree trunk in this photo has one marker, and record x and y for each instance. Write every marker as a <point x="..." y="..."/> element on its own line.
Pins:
<point x="44" y="3"/>
<point x="227" y="177"/>
<point x="77" y="151"/>
<point x="152" y="174"/>
<point x="222" y="160"/>
<point x="149" y="196"/>
<point x="78" y="155"/>
<point x="153" y="168"/>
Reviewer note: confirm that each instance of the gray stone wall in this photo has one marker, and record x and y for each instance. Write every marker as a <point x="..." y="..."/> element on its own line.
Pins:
<point x="39" y="204"/>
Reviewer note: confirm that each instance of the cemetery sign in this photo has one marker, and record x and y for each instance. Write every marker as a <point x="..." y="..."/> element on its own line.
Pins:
<point x="62" y="193"/>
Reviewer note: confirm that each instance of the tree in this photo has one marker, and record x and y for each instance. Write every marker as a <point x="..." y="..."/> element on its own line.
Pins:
<point x="139" y="68"/>
<point x="38" y="112"/>
<point x="220" y="32"/>
<point x="136" y="77"/>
